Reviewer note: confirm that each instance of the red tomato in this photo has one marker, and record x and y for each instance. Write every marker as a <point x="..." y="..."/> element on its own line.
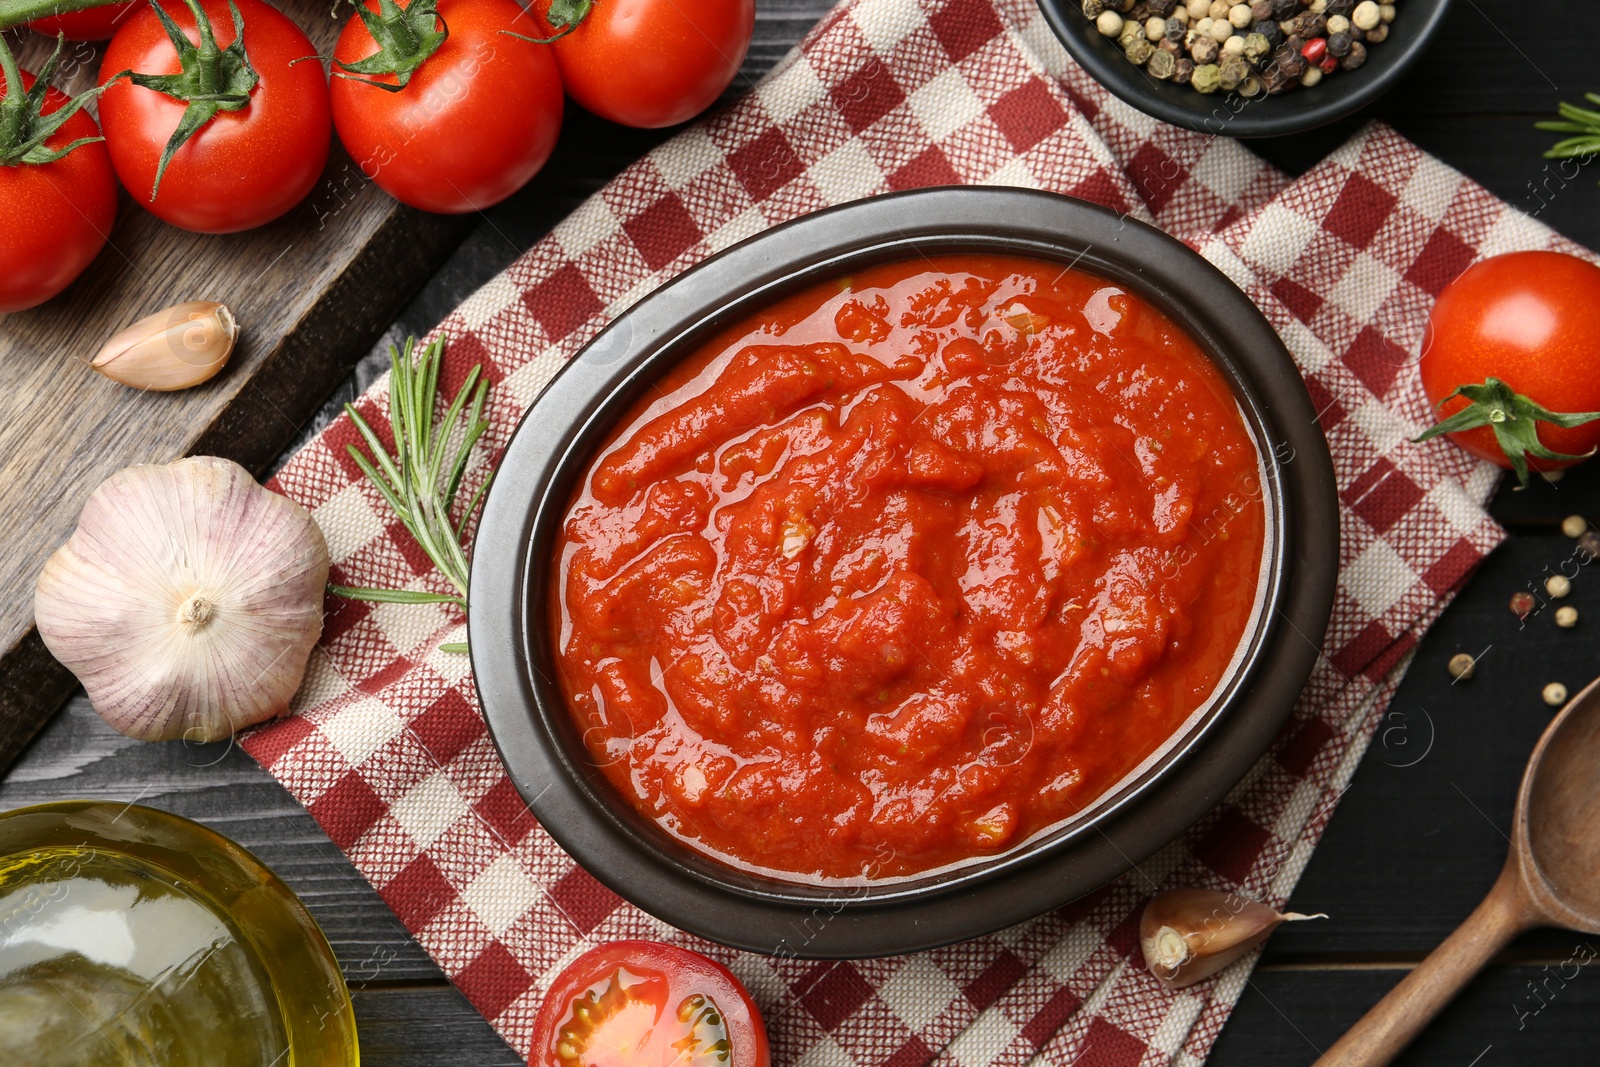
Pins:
<point x="243" y="168"/>
<point x="652" y="63"/>
<point x="54" y="217"/>
<point x="648" y="1005"/>
<point x="1531" y="320"/>
<point x="478" y="118"/>
<point x="90" y="24"/>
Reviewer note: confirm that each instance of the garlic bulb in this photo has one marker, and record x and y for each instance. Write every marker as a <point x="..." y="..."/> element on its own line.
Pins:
<point x="179" y="347"/>
<point x="1190" y="934"/>
<point x="186" y="601"/>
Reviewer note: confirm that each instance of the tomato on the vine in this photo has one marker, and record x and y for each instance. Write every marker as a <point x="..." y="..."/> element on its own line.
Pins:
<point x="446" y="120"/>
<point x="645" y="1004"/>
<point x="648" y="63"/>
<point x="58" y="197"/>
<point x="90" y="24"/>
<point x="253" y="107"/>
<point x="1511" y="358"/>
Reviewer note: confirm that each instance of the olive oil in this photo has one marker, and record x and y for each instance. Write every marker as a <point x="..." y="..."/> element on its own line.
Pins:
<point x="150" y="941"/>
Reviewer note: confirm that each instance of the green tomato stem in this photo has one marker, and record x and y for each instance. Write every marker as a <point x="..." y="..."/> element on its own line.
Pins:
<point x="14" y="108"/>
<point x="17" y="12"/>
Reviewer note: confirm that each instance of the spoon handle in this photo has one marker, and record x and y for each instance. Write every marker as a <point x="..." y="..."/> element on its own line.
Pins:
<point x="1380" y="1034"/>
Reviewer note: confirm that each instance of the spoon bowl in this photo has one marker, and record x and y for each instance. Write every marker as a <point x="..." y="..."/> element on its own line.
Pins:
<point x="1558" y="818"/>
<point x="1551" y="878"/>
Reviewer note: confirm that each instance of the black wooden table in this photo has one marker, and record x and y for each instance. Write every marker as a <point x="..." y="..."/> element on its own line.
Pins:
<point x="1415" y="842"/>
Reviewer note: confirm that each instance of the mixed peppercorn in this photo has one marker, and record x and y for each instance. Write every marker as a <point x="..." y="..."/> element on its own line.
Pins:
<point x="1268" y="46"/>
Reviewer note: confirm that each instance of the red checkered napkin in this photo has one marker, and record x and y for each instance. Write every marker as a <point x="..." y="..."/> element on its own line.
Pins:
<point x="387" y="749"/>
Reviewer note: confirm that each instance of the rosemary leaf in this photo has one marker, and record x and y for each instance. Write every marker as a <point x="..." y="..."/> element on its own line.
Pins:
<point x="421" y="480"/>
<point x="1575" y="120"/>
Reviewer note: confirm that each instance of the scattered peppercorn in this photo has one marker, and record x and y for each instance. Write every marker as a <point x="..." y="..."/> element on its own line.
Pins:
<point x="1521" y="603"/>
<point x="1461" y="666"/>
<point x="1566" y="616"/>
<point x="1574" y="525"/>
<point x="1555" y="694"/>
<point x="1558" y="585"/>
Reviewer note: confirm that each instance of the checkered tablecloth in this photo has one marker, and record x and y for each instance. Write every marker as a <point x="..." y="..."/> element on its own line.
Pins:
<point x="388" y="751"/>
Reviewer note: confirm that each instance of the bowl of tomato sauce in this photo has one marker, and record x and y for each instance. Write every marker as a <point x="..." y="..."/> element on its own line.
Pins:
<point x="903" y="572"/>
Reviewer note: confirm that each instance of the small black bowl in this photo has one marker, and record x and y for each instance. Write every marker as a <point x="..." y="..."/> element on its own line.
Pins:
<point x="1230" y="114"/>
<point x="553" y="446"/>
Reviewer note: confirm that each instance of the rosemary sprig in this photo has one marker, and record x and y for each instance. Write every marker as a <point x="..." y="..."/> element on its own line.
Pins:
<point x="421" y="481"/>
<point x="1580" y="121"/>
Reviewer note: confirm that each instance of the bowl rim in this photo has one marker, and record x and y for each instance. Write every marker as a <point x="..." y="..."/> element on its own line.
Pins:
<point x="552" y="445"/>
<point x="1329" y="101"/>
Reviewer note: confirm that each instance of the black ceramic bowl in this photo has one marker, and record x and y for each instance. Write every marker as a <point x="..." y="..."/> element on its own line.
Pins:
<point x="1230" y="114"/>
<point x="511" y="646"/>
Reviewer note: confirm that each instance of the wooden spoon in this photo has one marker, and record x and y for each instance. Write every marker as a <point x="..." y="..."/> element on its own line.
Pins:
<point x="1551" y="878"/>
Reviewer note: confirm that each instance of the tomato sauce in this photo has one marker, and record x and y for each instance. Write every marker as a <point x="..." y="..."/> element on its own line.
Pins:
<point x="908" y="567"/>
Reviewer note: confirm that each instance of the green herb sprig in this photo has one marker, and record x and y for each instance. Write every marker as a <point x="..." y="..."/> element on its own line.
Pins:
<point x="421" y="481"/>
<point x="1580" y="121"/>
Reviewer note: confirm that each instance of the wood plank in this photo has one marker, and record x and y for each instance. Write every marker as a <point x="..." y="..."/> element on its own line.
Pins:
<point x="311" y="291"/>
<point x="1420" y="835"/>
<point x="424" y="1027"/>
<point x="1511" y="1015"/>
<point x="76" y="756"/>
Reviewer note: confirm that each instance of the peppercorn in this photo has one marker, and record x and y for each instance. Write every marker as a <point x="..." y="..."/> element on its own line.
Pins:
<point x="1183" y="73"/>
<point x="1270" y="31"/>
<point x="1231" y="70"/>
<point x="1461" y="666"/>
<point x="1574" y="525"/>
<point x="1590" y="544"/>
<point x="1377" y="35"/>
<point x="1140" y="12"/>
<point x="1163" y="8"/>
<point x="1260" y="10"/>
<point x="1161" y="65"/>
<point x="1342" y="8"/>
<point x="1309" y="25"/>
<point x="1256" y="47"/>
<point x="1155" y="28"/>
<point x="1283" y="10"/>
<point x="1289" y="60"/>
<point x="1566" y="616"/>
<point x="1555" y="694"/>
<point x="1130" y="30"/>
<point x="1314" y="49"/>
<point x="1366" y="15"/>
<point x="1092" y="8"/>
<point x="1274" y="80"/>
<point x="1329" y="63"/>
<point x="1239" y="16"/>
<point x="1219" y="9"/>
<point x="1109" y="23"/>
<point x="1170" y="46"/>
<point x="1311" y="75"/>
<point x="1558" y="585"/>
<point x="1522" y="602"/>
<point x="1339" y="44"/>
<point x="1207" y="78"/>
<point x="1138" y="50"/>
<point x="1357" y="56"/>
<point x="1386" y="12"/>
<point x="1338" y="24"/>
<point x="1204" y="50"/>
<point x="1251" y="86"/>
<point x="1176" y="27"/>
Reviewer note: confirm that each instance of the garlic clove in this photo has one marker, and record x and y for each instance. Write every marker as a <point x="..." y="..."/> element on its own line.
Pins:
<point x="179" y="347"/>
<point x="187" y="600"/>
<point x="1190" y="934"/>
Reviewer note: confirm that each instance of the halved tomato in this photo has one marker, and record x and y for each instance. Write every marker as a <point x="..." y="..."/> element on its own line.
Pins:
<point x="645" y="1004"/>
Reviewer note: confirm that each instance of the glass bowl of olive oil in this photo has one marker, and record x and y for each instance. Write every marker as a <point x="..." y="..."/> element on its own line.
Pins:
<point x="133" y="936"/>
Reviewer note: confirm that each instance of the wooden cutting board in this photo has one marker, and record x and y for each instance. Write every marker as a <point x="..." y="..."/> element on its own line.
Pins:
<point x="312" y="292"/>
